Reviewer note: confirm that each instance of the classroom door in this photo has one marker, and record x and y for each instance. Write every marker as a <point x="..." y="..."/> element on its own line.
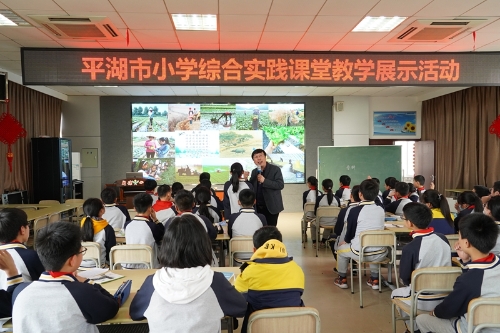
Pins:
<point x="424" y="160"/>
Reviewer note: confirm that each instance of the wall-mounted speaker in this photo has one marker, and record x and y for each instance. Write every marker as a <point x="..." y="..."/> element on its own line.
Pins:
<point x="339" y="106"/>
<point x="3" y="87"/>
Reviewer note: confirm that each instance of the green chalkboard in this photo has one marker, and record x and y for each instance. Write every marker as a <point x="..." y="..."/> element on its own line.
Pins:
<point x="359" y="162"/>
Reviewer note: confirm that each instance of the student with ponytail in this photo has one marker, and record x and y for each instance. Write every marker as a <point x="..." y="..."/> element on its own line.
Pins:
<point x="467" y="202"/>
<point x="96" y="229"/>
<point x="203" y="206"/>
<point x="232" y="189"/>
<point x="326" y="199"/>
<point x="312" y="194"/>
<point x="442" y="220"/>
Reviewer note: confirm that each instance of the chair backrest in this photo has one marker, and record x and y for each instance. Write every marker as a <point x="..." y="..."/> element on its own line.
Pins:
<point x="49" y="202"/>
<point x="131" y="254"/>
<point x="93" y="252"/>
<point x="290" y="320"/>
<point x="434" y="279"/>
<point x="75" y="201"/>
<point x="56" y="217"/>
<point x="452" y="239"/>
<point x="37" y="225"/>
<point x="240" y="244"/>
<point x="309" y="207"/>
<point x="78" y="210"/>
<point x="327" y="211"/>
<point x="377" y="238"/>
<point x="483" y="312"/>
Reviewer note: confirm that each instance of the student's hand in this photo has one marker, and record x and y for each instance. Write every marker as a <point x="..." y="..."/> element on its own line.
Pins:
<point x="432" y="186"/>
<point x="369" y="177"/>
<point x="391" y="193"/>
<point x="80" y="279"/>
<point x="461" y="254"/>
<point x="246" y="174"/>
<point x="456" y="206"/>
<point x="342" y="243"/>
<point x="153" y="215"/>
<point x="7" y="263"/>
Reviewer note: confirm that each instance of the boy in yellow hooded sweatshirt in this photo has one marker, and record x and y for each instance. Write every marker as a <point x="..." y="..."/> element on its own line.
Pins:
<point x="271" y="278"/>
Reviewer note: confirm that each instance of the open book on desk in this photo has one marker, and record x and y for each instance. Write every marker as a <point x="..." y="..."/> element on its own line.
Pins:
<point x="100" y="275"/>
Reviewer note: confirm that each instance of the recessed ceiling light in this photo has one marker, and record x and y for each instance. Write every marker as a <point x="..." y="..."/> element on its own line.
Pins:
<point x="195" y="22"/>
<point x="9" y="18"/>
<point x="378" y="24"/>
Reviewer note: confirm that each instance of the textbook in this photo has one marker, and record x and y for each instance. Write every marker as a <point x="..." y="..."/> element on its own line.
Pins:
<point x="100" y="275"/>
<point x="123" y="292"/>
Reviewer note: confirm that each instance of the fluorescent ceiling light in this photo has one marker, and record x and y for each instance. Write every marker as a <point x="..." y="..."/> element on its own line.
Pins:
<point x="195" y="22"/>
<point x="378" y="24"/>
<point x="9" y="18"/>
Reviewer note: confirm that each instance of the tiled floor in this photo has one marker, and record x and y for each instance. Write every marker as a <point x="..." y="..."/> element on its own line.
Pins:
<point x="339" y="309"/>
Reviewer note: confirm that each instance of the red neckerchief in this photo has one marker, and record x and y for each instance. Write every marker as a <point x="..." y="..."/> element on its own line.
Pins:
<point x="488" y="258"/>
<point x="422" y="231"/>
<point x="344" y="186"/>
<point x="471" y="207"/>
<point x="420" y="188"/>
<point x="59" y="274"/>
<point x="313" y="188"/>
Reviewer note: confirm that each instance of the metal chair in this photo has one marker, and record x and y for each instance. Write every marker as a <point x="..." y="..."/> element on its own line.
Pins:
<point x="324" y="211"/>
<point x="483" y="312"/>
<point x="131" y="254"/>
<point x="240" y="244"/>
<point x="37" y="225"/>
<point x="93" y="252"/>
<point x="290" y="320"/>
<point x="424" y="280"/>
<point x="56" y="217"/>
<point x="375" y="238"/>
<point x="77" y="212"/>
<point x="308" y="207"/>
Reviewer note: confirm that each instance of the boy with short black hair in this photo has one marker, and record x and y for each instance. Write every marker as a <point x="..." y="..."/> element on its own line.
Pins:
<point x="419" y="182"/>
<point x="366" y="216"/>
<point x="150" y="186"/>
<point x="427" y="249"/>
<point x="344" y="192"/>
<point x="76" y="303"/>
<point x="246" y="221"/>
<point x="477" y="236"/>
<point x="145" y="227"/>
<point x="14" y="232"/>
<point x="261" y="280"/>
<point x="389" y="184"/>
<point x="164" y="207"/>
<point x="116" y="215"/>
<point x="401" y="195"/>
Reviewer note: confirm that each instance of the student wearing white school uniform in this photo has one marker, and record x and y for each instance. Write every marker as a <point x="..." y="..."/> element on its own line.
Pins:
<point x="203" y="206"/>
<point x="232" y="189"/>
<point x="492" y="209"/>
<point x="116" y="215"/>
<point x="312" y="194"/>
<point x="164" y="207"/>
<point x="325" y="200"/>
<point x="419" y="182"/>
<point x="401" y="199"/>
<point x="344" y="192"/>
<point x="412" y="193"/>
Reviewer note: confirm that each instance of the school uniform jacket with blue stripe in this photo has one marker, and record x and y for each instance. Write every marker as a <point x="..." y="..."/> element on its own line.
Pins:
<point x="27" y="263"/>
<point x="364" y="217"/>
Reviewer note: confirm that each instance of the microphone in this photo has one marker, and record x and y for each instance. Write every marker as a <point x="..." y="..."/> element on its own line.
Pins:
<point x="259" y="169"/>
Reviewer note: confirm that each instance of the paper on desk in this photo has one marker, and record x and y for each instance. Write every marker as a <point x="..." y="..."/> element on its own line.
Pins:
<point x="390" y="225"/>
<point x="93" y="272"/>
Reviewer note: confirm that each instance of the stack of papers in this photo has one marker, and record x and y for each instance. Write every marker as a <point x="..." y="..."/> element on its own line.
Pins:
<point x="100" y="275"/>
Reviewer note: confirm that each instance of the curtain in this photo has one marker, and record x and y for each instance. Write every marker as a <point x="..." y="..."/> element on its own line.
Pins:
<point x="39" y="114"/>
<point x="466" y="153"/>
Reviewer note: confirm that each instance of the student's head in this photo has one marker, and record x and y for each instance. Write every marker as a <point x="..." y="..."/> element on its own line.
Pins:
<point x="236" y="172"/>
<point x="259" y="157"/>
<point x="150" y="184"/>
<point x="13" y="225"/>
<point x="108" y="195"/>
<point x="368" y="189"/>
<point x="402" y="189"/>
<point x="58" y="245"/>
<point x="468" y="199"/>
<point x="262" y="235"/>
<point x="312" y="181"/>
<point x="327" y="185"/>
<point x="411" y="188"/>
<point x="93" y="209"/>
<point x="185" y="244"/>
<point x="417" y="214"/>
<point x="481" y="191"/>
<point x="204" y="175"/>
<point x="495" y="190"/>
<point x="206" y="183"/>
<point x="203" y="195"/>
<point x="388" y="181"/>
<point x="478" y="231"/>
<point x="345" y="180"/>
<point x="491" y="208"/>
<point x="246" y="198"/>
<point x="434" y="199"/>
<point x="164" y="192"/>
<point x="355" y="193"/>
<point x="143" y="203"/>
<point x="184" y="201"/>
<point x="176" y="187"/>
<point x="418" y="180"/>
<point x="376" y="180"/>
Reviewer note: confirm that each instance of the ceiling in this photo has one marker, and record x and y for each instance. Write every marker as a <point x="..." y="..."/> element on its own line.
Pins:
<point x="284" y="25"/>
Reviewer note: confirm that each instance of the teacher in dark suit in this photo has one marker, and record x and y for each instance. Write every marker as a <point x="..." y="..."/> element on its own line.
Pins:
<point x="267" y="182"/>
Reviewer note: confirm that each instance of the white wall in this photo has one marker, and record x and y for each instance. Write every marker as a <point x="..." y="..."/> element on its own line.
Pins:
<point x="81" y="124"/>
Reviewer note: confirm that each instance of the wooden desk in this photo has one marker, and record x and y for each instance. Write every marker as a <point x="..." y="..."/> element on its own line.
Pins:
<point x="45" y="210"/>
<point x="397" y="227"/>
<point x="456" y="191"/>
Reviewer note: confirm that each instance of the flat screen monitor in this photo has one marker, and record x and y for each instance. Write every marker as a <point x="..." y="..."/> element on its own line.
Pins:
<point x="134" y="175"/>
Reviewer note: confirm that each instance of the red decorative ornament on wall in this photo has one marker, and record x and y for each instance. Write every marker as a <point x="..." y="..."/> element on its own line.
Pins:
<point x="10" y="130"/>
<point x="495" y="127"/>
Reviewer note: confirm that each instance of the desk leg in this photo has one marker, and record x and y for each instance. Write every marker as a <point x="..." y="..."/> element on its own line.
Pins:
<point x="222" y="256"/>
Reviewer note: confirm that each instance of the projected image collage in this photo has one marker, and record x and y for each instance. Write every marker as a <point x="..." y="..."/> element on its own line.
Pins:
<point x="177" y="142"/>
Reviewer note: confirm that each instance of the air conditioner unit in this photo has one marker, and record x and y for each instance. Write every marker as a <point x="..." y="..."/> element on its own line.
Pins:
<point x="81" y="28"/>
<point x="437" y="31"/>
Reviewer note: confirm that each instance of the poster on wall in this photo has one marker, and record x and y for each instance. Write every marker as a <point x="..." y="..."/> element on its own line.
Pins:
<point x="395" y="123"/>
<point x="177" y="142"/>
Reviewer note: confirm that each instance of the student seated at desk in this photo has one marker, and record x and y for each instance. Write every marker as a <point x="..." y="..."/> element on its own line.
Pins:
<point x="419" y="182"/>
<point x="61" y="301"/>
<point x="327" y="199"/>
<point x="494" y="191"/>
<point x="216" y="203"/>
<point x="96" y="229"/>
<point x="467" y="202"/>
<point x="492" y="209"/>
<point x="164" y="207"/>
<point x="427" y="249"/>
<point x="341" y="225"/>
<point x="412" y="193"/>
<point x="390" y="182"/>
<point x="144" y="228"/>
<point x="271" y="279"/>
<point x="312" y="194"/>
<point x="401" y="196"/>
<point x="344" y="192"/>
<point x="477" y="236"/>
<point x="186" y="295"/>
<point x="232" y="189"/>
<point x="481" y="191"/>
<point x="203" y="206"/>
<point x="14" y="232"/>
<point x="246" y="222"/>
<point x="116" y="215"/>
<point x="150" y="187"/>
<point x="8" y="266"/>
<point x="442" y="220"/>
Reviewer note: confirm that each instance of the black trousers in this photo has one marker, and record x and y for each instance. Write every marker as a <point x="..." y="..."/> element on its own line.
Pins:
<point x="272" y="219"/>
